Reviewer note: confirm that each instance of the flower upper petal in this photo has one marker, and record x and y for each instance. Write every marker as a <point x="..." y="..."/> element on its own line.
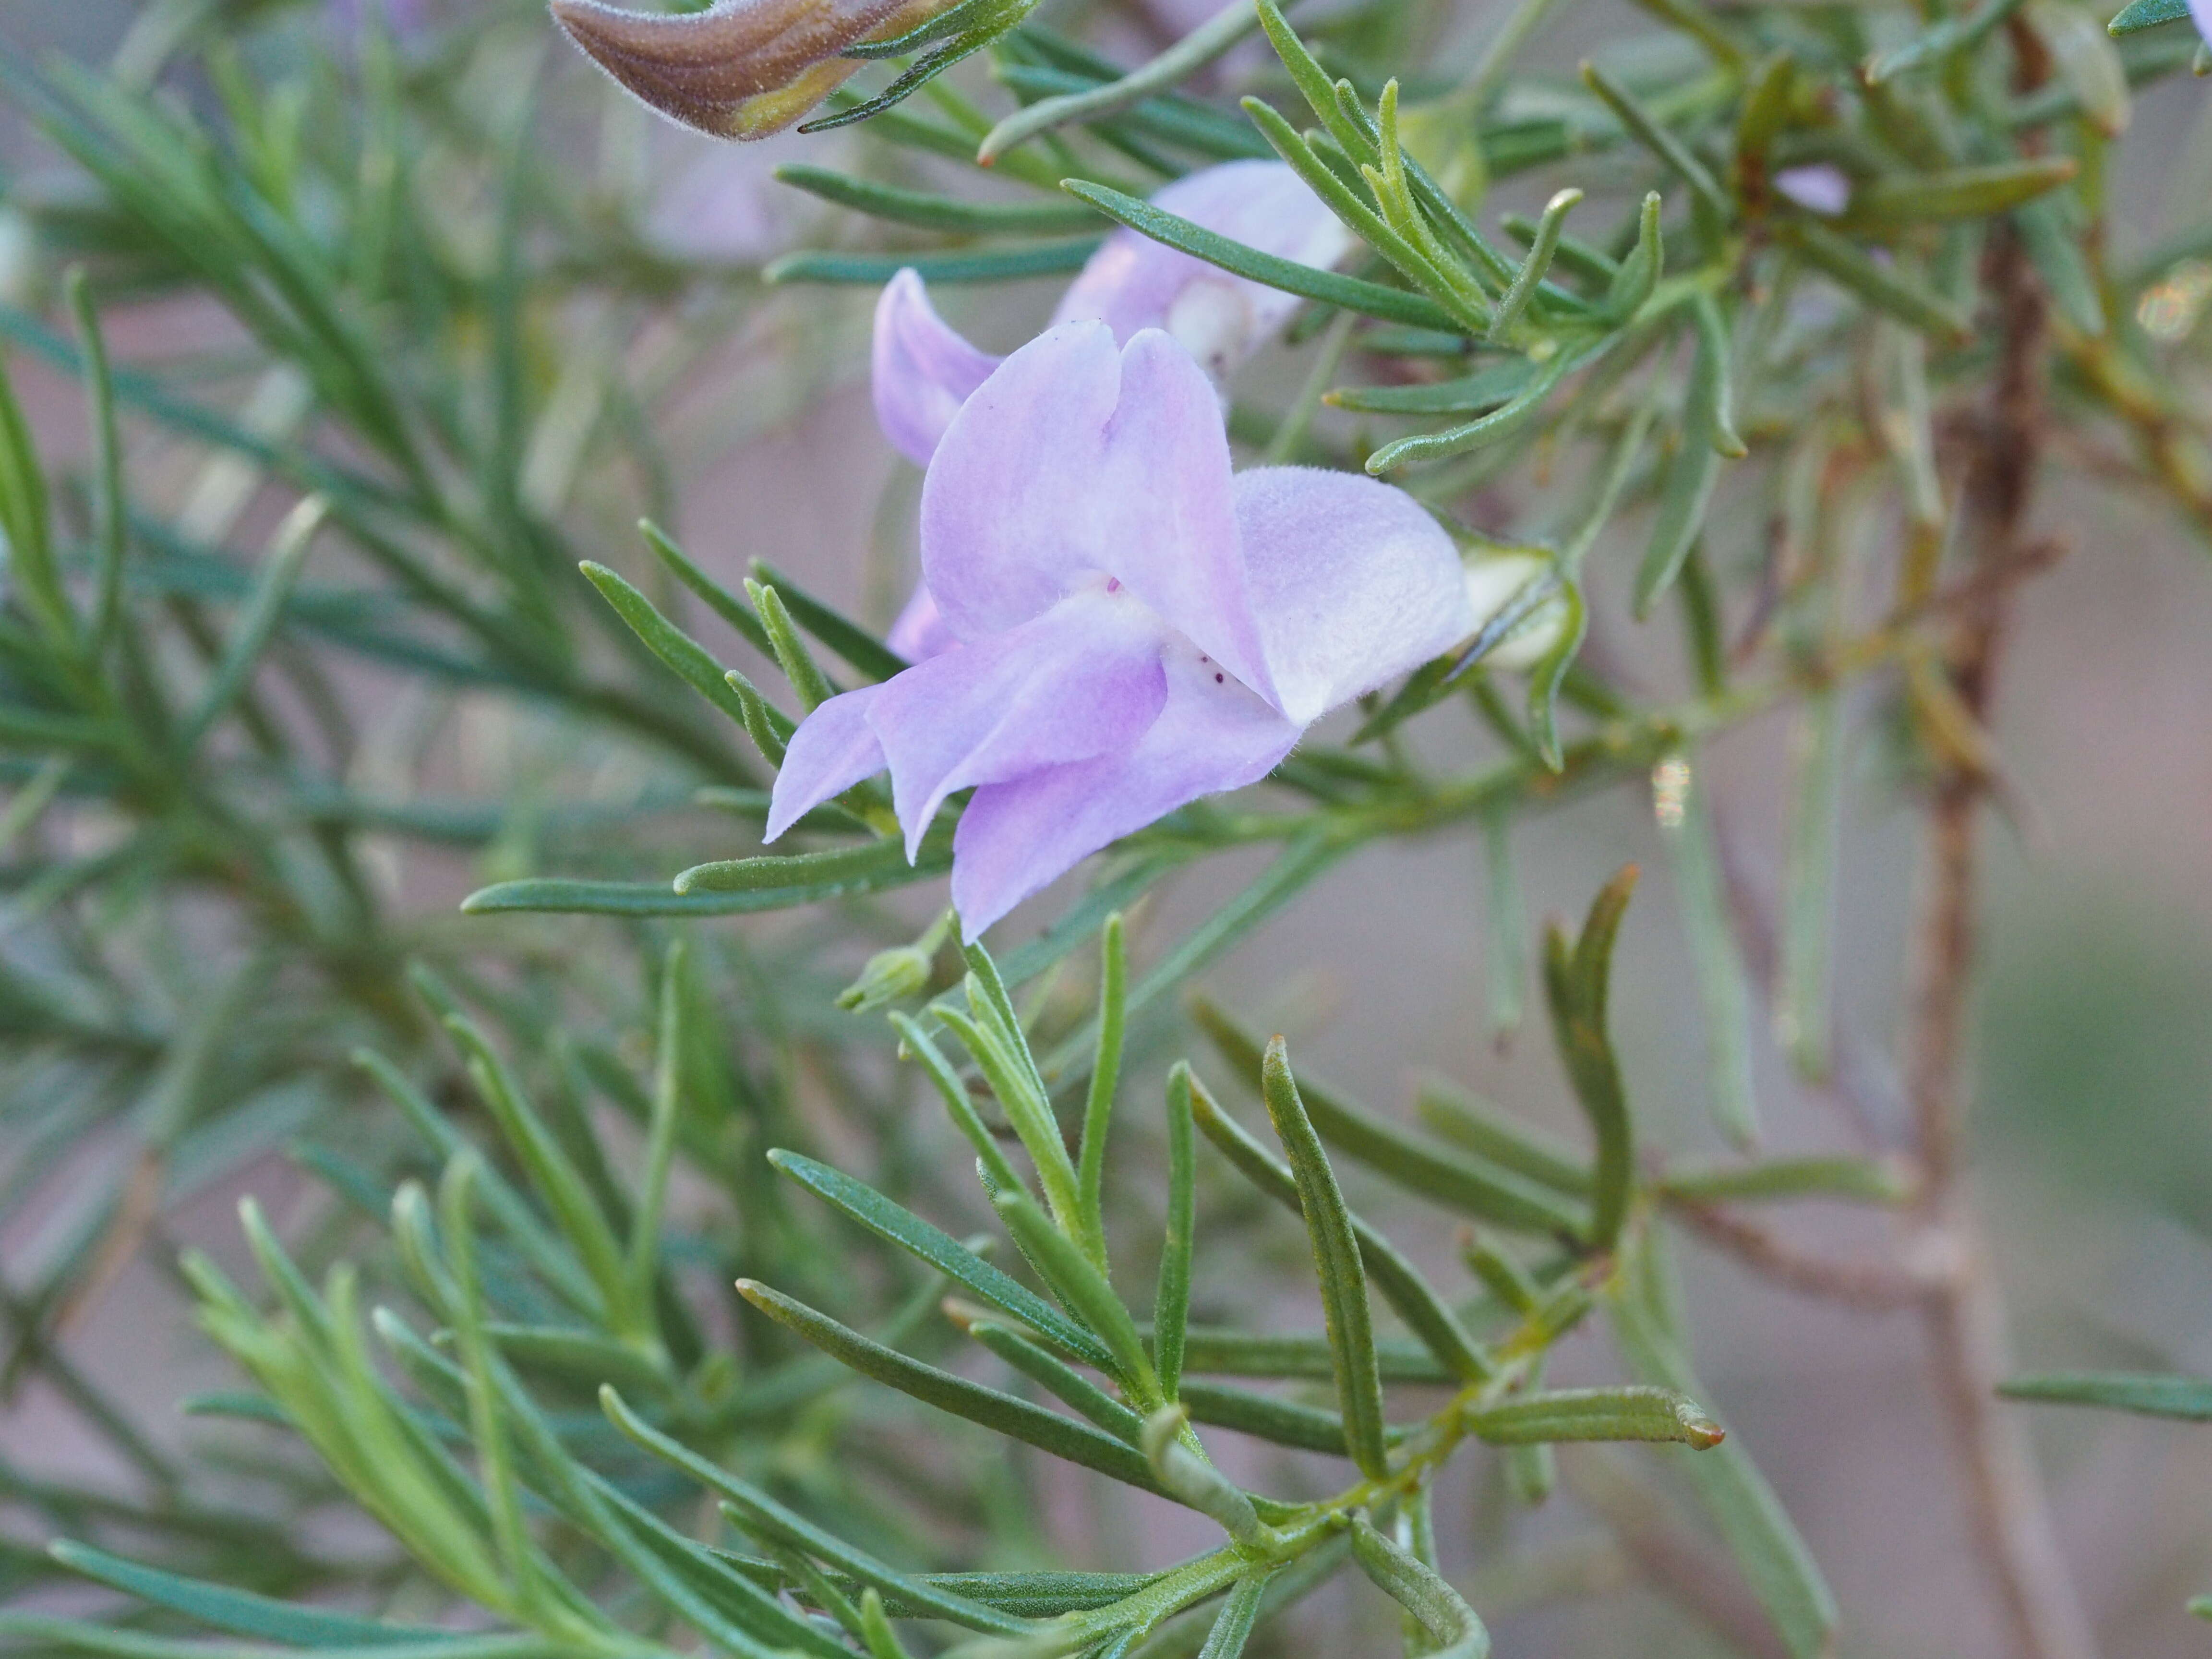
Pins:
<point x="1212" y="734"/>
<point x="1080" y="680"/>
<point x="834" y="748"/>
<point x="1074" y="461"/>
<point x="1133" y="283"/>
<point x="1350" y="581"/>
<point x="922" y="371"/>
<point x="1005" y="532"/>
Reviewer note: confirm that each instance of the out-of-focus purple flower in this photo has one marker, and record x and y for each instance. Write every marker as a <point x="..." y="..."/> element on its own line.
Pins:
<point x="2200" y="13"/>
<point x="1134" y="626"/>
<point x="924" y="371"/>
<point x="1819" y="187"/>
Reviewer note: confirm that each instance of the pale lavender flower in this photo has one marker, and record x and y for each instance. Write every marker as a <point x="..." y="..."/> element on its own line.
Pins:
<point x="923" y="370"/>
<point x="2200" y="13"/>
<point x="1135" y="627"/>
<point x="1819" y="187"/>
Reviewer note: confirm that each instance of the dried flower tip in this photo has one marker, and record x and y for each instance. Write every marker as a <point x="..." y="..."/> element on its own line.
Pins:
<point x="742" y="69"/>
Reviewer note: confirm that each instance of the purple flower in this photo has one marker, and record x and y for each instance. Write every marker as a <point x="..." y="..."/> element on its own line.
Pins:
<point x="1135" y="627"/>
<point x="1819" y="187"/>
<point x="2200" y="13"/>
<point x="924" y="371"/>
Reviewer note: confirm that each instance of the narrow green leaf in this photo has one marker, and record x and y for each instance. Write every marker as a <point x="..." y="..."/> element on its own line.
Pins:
<point x="1575" y="985"/>
<point x="1952" y="34"/>
<point x="1543" y="248"/>
<point x="812" y="685"/>
<point x="1860" y="1180"/>
<point x="1503" y="422"/>
<point x="854" y="643"/>
<point x="559" y="895"/>
<point x="934" y="212"/>
<point x="1282" y="1422"/>
<point x="1004" y="263"/>
<point x="1685" y="814"/>
<point x="2054" y="246"/>
<point x="1240" y="1612"/>
<point x="1405" y="1579"/>
<point x="901" y="1227"/>
<point x="802" y="878"/>
<point x="1098" y="1098"/>
<point x="1885" y="290"/>
<point x="581" y="1358"/>
<point x="1960" y="192"/>
<point x="990" y="1158"/>
<point x="1048" y="1432"/>
<point x="1773" y="1558"/>
<point x="1646" y="261"/>
<point x="45" y="1633"/>
<point x="1057" y="1378"/>
<point x="25" y="532"/>
<point x="1646" y="130"/>
<point x="665" y="641"/>
<point x="1171" y="1302"/>
<point x="553" y="1175"/>
<point x="1313" y="82"/>
<point x="1495" y="1195"/>
<point x="1630" y="1413"/>
<point x="1084" y="1291"/>
<point x="1804" y="974"/>
<point x="257" y="624"/>
<point x="1350" y="293"/>
<point x="762" y="1514"/>
<point x="1209" y="1350"/>
<point x="240" y="1612"/>
<point x="2186" y="1397"/>
<point x="1485" y="389"/>
<point x="1692" y="472"/>
<point x="1190" y="1479"/>
<point x="2148" y="13"/>
<point x="1451" y="1114"/>
<point x="1196" y="49"/>
<point x="1401" y="1283"/>
<point x="1336" y="1264"/>
<point x="717" y="598"/>
<point x="110" y="511"/>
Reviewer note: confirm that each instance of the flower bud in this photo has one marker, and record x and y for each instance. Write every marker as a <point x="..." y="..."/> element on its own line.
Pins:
<point x="1493" y="582"/>
<point x="890" y="977"/>
<point x="742" y="69"/>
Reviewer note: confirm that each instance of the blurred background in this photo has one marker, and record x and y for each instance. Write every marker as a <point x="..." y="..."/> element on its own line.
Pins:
<point x="2092" y="1126"/>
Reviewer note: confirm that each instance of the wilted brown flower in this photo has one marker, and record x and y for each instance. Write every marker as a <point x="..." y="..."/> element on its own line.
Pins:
<point x="742" y="69"/>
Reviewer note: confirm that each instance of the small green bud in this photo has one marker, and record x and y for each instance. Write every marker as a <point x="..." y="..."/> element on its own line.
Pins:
<point x="890" y="977"/>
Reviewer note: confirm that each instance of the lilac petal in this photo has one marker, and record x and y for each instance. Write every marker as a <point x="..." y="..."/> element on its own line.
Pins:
<point x="1004" y="520"/>
<point x="1352" y="582"/>
<point x="2200" y="13"/>
<point x="1079" y="681"/>
<point x="833" y="748"/>
<point x="1016" y="837"/>
<point x="921" y="370"/>
<point x="1133" y="283"/>
<point x="920" y="633"/>
<point x="1819" y="187"/>
<point x="1074" y="461"/>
